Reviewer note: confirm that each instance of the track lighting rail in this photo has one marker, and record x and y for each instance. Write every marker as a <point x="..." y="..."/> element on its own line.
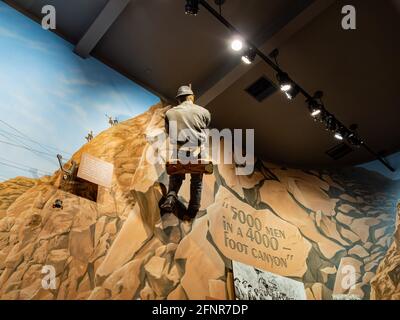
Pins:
<point x="247" y="58"/>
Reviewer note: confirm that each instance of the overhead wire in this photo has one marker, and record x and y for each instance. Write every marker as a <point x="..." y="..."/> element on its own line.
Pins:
<point x="47" y="148"/>
<point x="24" y="165"/>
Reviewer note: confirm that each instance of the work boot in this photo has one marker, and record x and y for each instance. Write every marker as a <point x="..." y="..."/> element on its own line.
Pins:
<point x="169" y="203"/>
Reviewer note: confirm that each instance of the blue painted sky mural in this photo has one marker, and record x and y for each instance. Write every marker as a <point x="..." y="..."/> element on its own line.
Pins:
<point x="51" y="98"/>
<point x="393" y="159"/>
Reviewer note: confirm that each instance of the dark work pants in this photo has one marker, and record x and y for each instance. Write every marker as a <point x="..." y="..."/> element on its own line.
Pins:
<point x="196" y="186"/>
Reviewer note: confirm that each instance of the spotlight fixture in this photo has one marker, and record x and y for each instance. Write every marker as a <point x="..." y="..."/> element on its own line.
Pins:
<point x="249" y="56"/>
<point x="192" y="7"/>
<point x="339" y="136"/>
<point x="341" y="132"/>
<point x="292" y="92"/>
<point x="287" y="86"/>
<point x="237" y="45"/>
<point x="315" y="112"/>
<point x="315" y="108"/>
<point x="330" y="123"/>
<point x="354" y="139"/>
<point x="284" y="81"/>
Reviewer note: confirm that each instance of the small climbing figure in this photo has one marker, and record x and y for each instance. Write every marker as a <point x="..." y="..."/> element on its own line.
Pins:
<point x="90" y="136"/>
<point x="112" y="122"/>
<point x="189" y="122"/>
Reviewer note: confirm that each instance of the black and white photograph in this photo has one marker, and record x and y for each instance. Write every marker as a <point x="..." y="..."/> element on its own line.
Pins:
<point x="253" y="284"/>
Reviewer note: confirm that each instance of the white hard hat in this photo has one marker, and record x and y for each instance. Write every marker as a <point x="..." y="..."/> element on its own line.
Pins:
<point x="184" y="91"/>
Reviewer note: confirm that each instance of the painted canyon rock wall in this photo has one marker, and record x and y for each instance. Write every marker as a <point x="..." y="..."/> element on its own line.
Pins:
<point x="386" y="284"/>
<point x="306" y="225"/>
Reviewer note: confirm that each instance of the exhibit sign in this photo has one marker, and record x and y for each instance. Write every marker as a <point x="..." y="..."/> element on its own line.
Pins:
<point x="257" y="237"/>
<point x="96" y="170"/>
<point x="254" y="284"/>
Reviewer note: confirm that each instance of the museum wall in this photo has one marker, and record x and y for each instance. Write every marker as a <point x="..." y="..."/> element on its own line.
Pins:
<point x="312" y="226"/>
<point x="334" y="231"/>
<point x="51" y="98"/>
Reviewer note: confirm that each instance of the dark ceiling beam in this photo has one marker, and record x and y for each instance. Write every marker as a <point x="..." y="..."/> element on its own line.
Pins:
<point x="100" y="26"/>
<point x="29" y="3"/>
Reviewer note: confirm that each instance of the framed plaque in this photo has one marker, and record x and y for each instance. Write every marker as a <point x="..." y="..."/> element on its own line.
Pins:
<point x="96" y="170"/>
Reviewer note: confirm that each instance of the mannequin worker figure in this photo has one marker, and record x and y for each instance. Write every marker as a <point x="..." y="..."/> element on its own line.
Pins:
<point x="189" y="121"/>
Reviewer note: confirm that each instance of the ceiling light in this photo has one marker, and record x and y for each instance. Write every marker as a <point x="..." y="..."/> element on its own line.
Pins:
<point x="249" y="56"/>
<point x="330" y="123"/>
<point x="354" y="139"/>
<point x="287" y="85"/>
<point x="339" y="136"/>
<point x="292" y="92"/>
<point x="237" y="45"/>
<point x="192" y="7"/>
<point x="315" y="108"/>
<point x="315" y="112"/>
<point x="284" y="81"/>
<point x="341" y="132"/>
<point x="246" y="60"/>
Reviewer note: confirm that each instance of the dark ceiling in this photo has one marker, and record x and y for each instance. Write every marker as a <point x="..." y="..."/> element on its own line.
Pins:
<point x="358" y="72"/>
<point x="165" y="48"/>
<point x="154" y="43"/>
